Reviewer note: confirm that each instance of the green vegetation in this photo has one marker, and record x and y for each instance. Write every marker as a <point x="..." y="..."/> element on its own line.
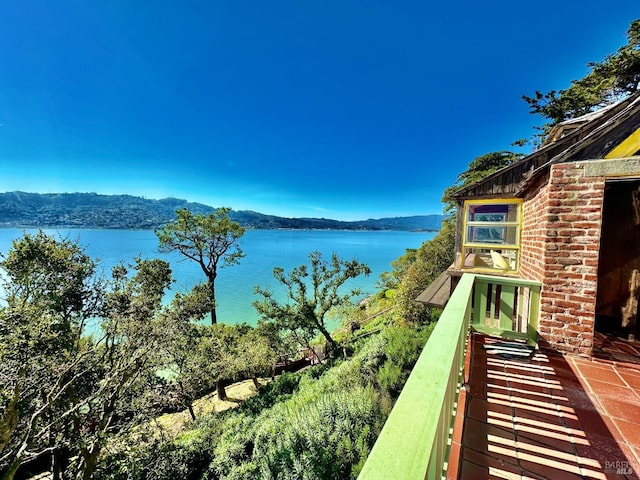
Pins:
<point x="307" y="305"/>
<point x="317" y="424"/>
<point x="209" y="240"/>
<point x="88" y="406"/>
<point x="613" y="78"/>
<point x="83" y="406"/>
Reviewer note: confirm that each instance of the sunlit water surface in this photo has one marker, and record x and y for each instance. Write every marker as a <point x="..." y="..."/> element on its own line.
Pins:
<point x="264" y="249"/>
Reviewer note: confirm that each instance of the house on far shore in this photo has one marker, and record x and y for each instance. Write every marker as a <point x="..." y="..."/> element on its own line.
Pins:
<point x="566" y="216"/>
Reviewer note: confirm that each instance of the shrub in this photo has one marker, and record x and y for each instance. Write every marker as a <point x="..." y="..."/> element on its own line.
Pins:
<point x="403" y="347"/>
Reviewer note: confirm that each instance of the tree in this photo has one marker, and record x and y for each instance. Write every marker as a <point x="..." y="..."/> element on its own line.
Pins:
<point x="254" y="356"/>
<point x="182" y="335"/>
<point x="123" y="363"/>
<point x="64" y="393"/>
<point x="221" y="353"/>
<point x="210" y="240"/>
<point x="310" y="295"/>
<point x="431" y="259"/>
<point x="479" y="168"/>
<point x="50" y="293"/>
<point x="615" y="77"/>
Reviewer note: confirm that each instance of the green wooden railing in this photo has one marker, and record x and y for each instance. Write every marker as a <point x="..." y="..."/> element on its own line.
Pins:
<point x="506" y="306"/>
<point x="414" y="442"/>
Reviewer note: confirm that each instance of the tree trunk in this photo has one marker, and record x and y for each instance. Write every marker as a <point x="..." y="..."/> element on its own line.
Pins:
<point x="56" y="465"/>
<point x="9" y="419"/>
<point x="90" y="462"/>
<point x="10" y="472"/>
<point x="333" y="345"/>
<point x="191" y="412"/>
<point x="187" y="400"/>
<point x="214" y="317"/>
<point x="222" y="392"/>
<point x="256" y="383"/>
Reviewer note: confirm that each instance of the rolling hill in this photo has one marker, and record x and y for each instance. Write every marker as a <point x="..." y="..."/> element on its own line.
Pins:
<point x="91" y="210"/>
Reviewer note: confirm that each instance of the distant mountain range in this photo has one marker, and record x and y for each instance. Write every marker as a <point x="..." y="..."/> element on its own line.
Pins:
<point x="91" y="210"/>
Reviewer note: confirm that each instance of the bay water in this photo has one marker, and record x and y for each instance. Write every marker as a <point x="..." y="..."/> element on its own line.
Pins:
<point x="264" y="249"/>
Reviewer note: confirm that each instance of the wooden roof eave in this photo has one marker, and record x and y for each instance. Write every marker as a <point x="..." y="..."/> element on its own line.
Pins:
<point x="589" y="139"/>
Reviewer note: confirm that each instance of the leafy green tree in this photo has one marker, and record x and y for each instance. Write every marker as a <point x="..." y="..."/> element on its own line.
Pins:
<point x="210" y="240"/>
<point x="124" y="361"/>
<point x="479" y="168"/>
<point x="181" y="335"/>
<point x="310" y="294"/>
<point x="50" y="296"/>
<point x="62" y="393"/>
<point x="391" y="280"/>
<point x="210" y="359"/>
<point x="431" y="259"/>
<point x="615" y="77"/>
<point x="254" y="356"/>
<point x="221" y="353"/>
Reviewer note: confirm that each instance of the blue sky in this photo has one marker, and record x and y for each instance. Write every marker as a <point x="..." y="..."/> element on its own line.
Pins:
<point x="338" y="109"/>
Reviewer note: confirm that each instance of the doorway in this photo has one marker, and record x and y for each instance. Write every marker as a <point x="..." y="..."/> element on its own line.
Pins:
<point x="619" y="261"/>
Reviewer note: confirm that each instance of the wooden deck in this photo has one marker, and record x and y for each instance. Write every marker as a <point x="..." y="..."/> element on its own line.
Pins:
<point x="548" y="416"/>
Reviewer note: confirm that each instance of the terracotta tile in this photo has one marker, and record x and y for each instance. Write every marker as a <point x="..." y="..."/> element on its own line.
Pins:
<point x="535" y="419"/>
<point x="634" y="456"/>
<point x="477" y="389"/>
<point x="544" y="408"/>
<point x="550" y="469"/>
<point x="600" y="373"/>
<point x="630" y="431"/>
<point x="527" y="370"/>
<point x="573" y="423"/>
<point x="478" y="408"/>
<point x="471" y="470"/>
<point x="601" y="447"/>
<point x="564" y="378"/>
<point x="506" y="461"/>
<point x="551" y="439"/>
<point x="627" y="364"/>
<point x="478" y="371"/>
<point x="633" y="369"/>
<point x="605" y="459"/>
<point x="574" y="397"/>
<point x="593" y="422"/>
<point x="552" y="422"/>
<point x="631" y="378"/>
<point x="601" y="389"/>
<point x="476" y="435"/>
<point x="575" y="362"/>
<point x="628" y="348"/>
<point x="620" y="408"/>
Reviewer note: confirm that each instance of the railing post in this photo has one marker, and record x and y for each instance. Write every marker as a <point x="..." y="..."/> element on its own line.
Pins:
<point x="480" y="302"/>
<point x="507" y="297"/>
<point x="534" y="313"/>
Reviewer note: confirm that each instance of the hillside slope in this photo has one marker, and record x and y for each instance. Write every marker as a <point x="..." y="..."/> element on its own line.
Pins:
<point x="91" y="210"/>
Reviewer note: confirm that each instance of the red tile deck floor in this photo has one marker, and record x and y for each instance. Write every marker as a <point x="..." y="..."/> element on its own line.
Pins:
<point x="548" y="417"/>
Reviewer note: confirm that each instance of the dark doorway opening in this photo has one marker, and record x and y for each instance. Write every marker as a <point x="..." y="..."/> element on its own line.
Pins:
<point x="619" y="262"/>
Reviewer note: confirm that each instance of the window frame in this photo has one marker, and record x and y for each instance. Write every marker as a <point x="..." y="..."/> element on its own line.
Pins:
<point x="470" y="245"/>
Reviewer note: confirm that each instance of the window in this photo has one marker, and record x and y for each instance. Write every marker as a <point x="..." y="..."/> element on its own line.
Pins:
<point x="491" y="237"/>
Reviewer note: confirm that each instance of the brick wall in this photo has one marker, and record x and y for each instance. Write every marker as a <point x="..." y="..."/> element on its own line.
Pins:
<point x="560" y="244"/>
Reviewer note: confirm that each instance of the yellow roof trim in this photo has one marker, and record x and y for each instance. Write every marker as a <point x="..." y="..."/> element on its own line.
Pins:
<point x="627" y="148"/>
